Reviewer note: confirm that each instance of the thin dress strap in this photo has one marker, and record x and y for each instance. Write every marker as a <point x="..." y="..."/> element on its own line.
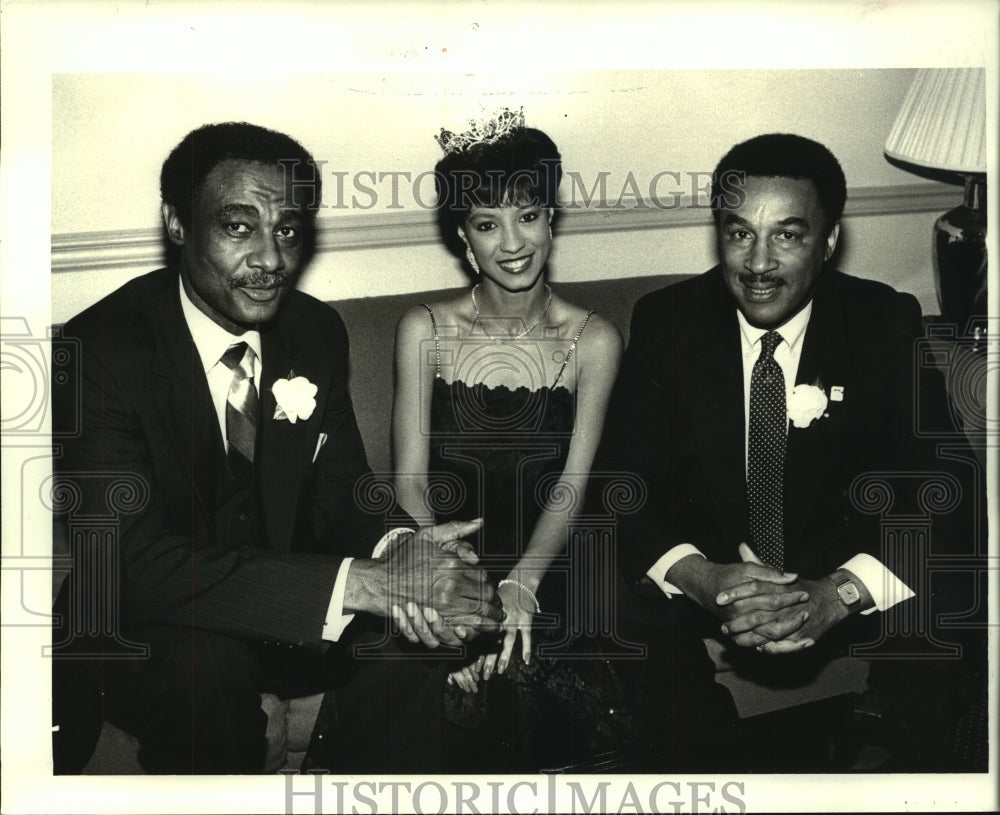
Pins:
<point x="572" y="348"/>
<point x="437" y="344"/>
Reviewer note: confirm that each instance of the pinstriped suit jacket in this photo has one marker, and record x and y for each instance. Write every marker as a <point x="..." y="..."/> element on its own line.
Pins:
<point x="145" y="409"/>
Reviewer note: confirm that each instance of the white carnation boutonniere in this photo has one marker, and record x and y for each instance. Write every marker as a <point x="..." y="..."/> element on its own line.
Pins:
<point x="806" y="404"/>
<point x="296" y="398"/>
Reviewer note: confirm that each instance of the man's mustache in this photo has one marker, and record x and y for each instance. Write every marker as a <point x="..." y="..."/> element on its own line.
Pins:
<point x="259" y="280"/>
<point x="762" y="281"/>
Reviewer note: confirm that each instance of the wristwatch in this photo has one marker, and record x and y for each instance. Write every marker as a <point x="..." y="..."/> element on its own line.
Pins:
<point x="849" y="594"/>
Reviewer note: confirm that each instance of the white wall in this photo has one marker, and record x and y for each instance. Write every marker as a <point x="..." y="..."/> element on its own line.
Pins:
<point x="112" y="132"/>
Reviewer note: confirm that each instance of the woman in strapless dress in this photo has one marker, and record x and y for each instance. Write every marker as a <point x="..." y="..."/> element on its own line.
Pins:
<point x="501" y="391"/>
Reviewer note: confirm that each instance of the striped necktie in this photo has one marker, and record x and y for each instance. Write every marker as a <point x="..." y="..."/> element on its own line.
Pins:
<point x="766" y="454"/>
<point x="241" y="407"/>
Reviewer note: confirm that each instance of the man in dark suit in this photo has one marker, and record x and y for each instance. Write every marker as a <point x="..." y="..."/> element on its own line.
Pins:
<point x="221" y="395"/>
<point x="750" y="400"/>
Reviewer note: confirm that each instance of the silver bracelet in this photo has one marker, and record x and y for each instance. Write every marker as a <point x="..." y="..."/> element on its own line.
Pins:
<point x="525" y="589"/>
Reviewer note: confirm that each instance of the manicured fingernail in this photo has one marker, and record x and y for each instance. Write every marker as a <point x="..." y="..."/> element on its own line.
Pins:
<point x="808" y="643"/>
<point x="725" y="629"/>
<point x="501" y="667"/>
<point x="803" y="597"/>
<point x="790" y="574"/>
<point x="722" y="598"/>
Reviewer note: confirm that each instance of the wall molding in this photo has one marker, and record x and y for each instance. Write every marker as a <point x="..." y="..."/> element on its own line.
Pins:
<point x="117" y="249"/>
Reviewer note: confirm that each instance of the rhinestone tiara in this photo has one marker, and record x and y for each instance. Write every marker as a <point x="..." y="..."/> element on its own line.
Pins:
<point x="483" y="131"/>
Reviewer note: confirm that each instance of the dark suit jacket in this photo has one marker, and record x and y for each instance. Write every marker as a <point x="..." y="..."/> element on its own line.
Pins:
<point x="145" y="409"/>
<point x="677" y="420"/>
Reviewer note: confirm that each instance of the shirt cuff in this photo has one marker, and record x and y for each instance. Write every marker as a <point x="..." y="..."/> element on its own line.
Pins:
<point x="658" y="571"/>
<point x="885" y="588"/>
<point x="336" y="621"/>
<point x="388" y="538"/>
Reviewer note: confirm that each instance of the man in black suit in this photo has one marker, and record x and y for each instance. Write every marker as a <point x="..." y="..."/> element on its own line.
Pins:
<point x="750" y="399"/>
<point x="223" y="394"/>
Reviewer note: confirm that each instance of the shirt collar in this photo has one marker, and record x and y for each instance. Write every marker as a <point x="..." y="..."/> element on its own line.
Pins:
<point x="791" y="331"/>
<point x="210" y="338"/>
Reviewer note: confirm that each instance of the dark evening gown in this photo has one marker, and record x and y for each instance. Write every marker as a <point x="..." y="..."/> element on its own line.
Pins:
<point x="497" y="453"/>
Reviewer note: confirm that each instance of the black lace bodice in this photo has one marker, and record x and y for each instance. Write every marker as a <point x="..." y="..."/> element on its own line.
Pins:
<point x="496" y="453"/>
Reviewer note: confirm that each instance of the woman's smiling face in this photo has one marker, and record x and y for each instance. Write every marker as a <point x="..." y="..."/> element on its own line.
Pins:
<point x="511" y="243"/>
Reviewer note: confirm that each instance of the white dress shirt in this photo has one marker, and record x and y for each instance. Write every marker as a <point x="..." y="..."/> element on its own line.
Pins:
<point x="886" y="589"/>
<point x="212" y="341"/>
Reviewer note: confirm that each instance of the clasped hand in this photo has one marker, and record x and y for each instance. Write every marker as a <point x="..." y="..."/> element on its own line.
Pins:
<point x="436" y="593"/>
<point x="773" y="611"/>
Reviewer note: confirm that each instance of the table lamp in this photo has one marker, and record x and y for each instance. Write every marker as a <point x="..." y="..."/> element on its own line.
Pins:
<point x="942" y="126"/>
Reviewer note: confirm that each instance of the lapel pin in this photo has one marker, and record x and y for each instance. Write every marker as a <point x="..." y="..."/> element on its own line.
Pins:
<point x="837" y="393"/>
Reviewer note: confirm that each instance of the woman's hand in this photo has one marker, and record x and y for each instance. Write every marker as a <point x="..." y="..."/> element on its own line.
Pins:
<point x="520" y="610"/>
<point x="467" y="677"/>
<point x="519" y="606"/>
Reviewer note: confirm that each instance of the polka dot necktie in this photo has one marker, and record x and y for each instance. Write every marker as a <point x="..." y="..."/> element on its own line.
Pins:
<point x="241" y="407"/>
<point x="766" y="454"/>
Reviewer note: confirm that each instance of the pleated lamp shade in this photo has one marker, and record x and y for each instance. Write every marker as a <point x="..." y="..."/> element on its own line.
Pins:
<point x="942" y="123"/>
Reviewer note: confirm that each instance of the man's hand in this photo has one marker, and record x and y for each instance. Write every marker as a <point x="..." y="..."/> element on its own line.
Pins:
<point x="819" y="612"/>
<point x="764" y="591"/>
<point x="418" y="625"/>
<point x="768" y="632"/>
<point x="432" y="571"/>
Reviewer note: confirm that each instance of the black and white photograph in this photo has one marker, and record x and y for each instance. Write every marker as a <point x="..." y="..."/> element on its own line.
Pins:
<point x="496" y="407"/>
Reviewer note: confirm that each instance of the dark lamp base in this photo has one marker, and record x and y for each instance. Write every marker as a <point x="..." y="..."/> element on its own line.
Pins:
<point x="960" y="260"/>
